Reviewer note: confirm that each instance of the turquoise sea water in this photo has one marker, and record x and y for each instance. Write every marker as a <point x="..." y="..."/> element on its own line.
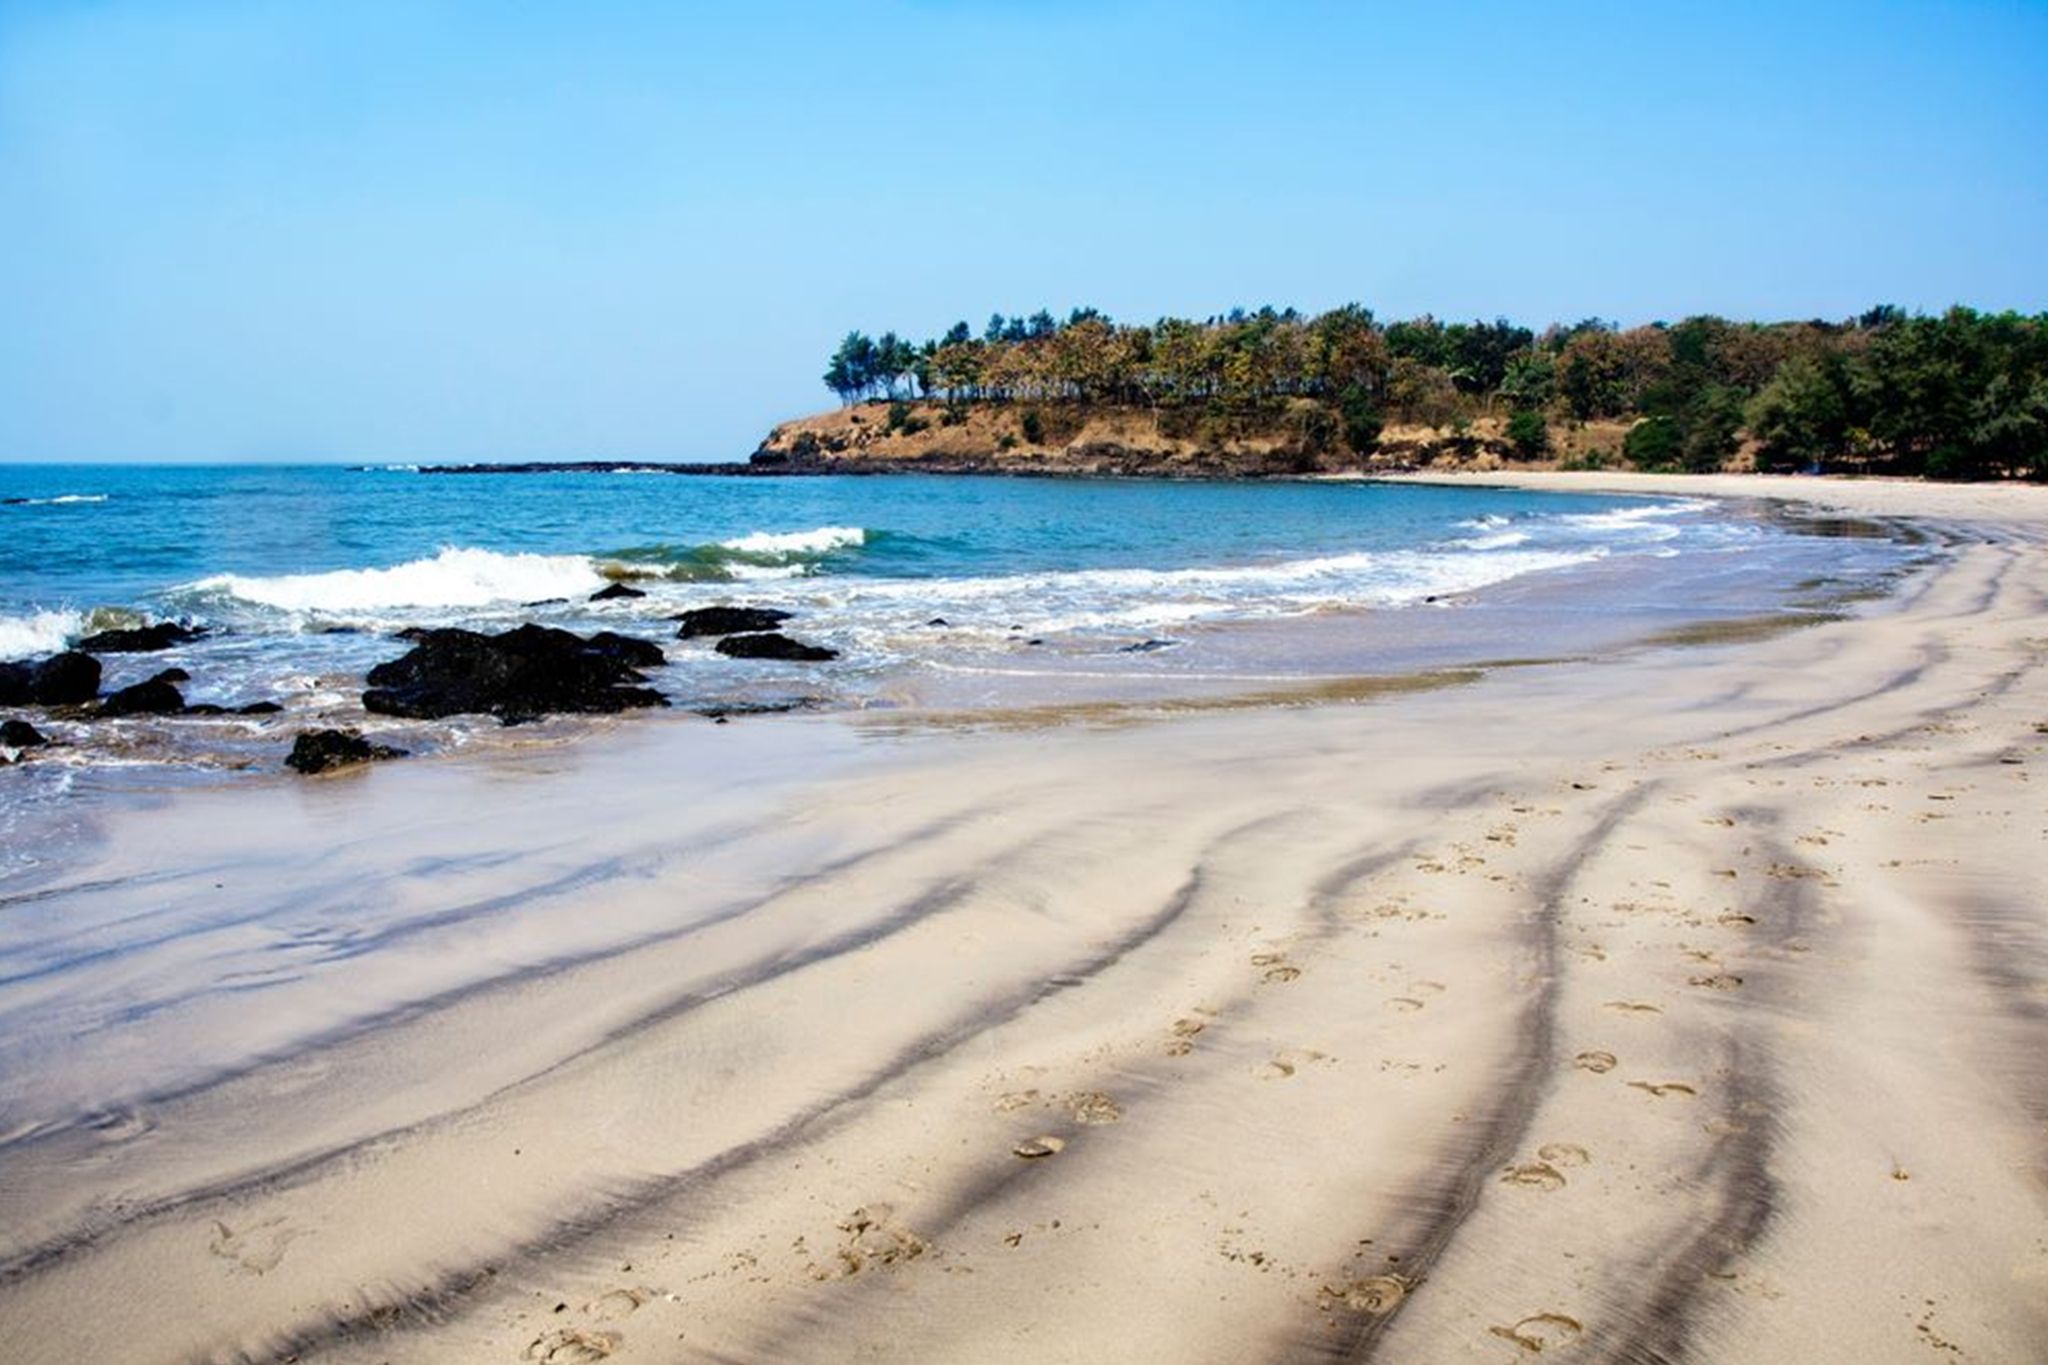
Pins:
<point x="943" y="588"/>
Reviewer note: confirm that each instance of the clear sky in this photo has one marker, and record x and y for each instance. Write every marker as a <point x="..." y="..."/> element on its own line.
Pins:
<point x="395" y="231"/>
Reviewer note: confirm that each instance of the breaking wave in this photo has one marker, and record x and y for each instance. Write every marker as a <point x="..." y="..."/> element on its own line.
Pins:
<point x="39" y="632"/>
<point x="456" y="577"/>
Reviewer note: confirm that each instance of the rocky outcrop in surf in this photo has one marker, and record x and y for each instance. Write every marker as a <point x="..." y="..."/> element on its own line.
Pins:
<point x="519" y="675"/>
<point x="770" y="645"/>
<point x="319" y="751"/>
<point x="709" y="621"/>
<point x="157" y="696"/>
<point x="142" y="640"/>
<point x="67" y="679"/>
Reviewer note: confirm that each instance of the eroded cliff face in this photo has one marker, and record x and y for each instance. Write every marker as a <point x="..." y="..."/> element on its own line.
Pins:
<point x="1298" y="438"/>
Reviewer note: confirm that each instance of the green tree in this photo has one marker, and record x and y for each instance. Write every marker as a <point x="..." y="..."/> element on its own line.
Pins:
<point x="1800" y="419"/>
<point x="1529" y="433"/>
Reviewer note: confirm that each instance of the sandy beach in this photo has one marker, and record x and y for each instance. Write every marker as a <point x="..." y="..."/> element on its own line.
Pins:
<point x="1685" y="1003"/>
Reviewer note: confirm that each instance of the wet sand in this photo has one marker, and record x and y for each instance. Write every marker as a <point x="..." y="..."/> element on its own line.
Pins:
<point x="1681" y="1004"/>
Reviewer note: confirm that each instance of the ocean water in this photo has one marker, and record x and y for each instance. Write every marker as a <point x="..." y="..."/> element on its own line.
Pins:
<point x="935" y="590"/>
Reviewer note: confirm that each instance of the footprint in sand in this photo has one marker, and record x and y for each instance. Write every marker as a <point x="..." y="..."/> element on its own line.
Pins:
<point x="1541" y="1332"/>
<point x="258" y="1249"/>
<point x="1287" y="1063"/>
<point x="1534" y="1175"/>
<point x="1404" y="1004"/>
<point x="1280" y="975"/>
<point x="1015" y="1100"/>
<point x="1184" y="1034"/>
<point x="1378" y="1295"/>
<point x="1633" y="1007"/>
<point x="614" y="1304"/>
<point x="119" y="1125"/>
<point x="1094" y="1108"/>
<point x="573" y="1346"/>
<point x="1718" y="981"/>
<point x="1596" y="1062"/>
<point x="874" y="1235"/>
<point x="1038" y="1148"/>
<point x="1660" y="1090"/>
<point x="1564" y="1154"/>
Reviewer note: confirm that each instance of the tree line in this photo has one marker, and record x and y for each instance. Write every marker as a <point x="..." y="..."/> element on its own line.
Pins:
<point x="1962" y="394"/>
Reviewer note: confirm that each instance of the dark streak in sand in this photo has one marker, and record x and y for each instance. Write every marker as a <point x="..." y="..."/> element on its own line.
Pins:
<point x="1489" y="1139"/>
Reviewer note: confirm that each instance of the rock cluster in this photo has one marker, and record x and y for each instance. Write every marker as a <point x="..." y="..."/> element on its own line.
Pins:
<point x="518" y="675"/>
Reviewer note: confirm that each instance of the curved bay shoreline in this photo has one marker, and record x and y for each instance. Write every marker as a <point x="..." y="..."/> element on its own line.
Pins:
<point x="1676" y="1002"/>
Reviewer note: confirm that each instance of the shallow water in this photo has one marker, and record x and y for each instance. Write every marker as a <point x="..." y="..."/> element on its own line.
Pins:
<point x="954" y="592"/>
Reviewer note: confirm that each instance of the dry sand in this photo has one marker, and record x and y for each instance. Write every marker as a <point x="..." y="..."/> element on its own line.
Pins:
<point x="1688" y="1004"/>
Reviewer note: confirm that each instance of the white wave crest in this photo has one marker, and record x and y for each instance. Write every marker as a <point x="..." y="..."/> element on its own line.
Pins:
<point x="456" y="577"/>
<point x="40" y="632"/>
<point x="60" y="500"/>
<point x="1632" y="517"/>
<point x="1500" y="540"/>
<point x="816" y="542"/>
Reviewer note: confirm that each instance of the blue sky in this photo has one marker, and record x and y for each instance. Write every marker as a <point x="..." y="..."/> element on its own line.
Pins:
<point x="369" y="231"/>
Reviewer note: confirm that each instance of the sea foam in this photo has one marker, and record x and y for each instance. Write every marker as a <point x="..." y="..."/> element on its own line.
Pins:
<point x="40" y="632"/>
<point x="456" y="577"/>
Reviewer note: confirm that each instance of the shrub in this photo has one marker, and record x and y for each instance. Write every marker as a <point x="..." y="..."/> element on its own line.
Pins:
<point x="1529" y="434"/>
<point x="1653" y="443"/>
<point x="1033" y="427"/>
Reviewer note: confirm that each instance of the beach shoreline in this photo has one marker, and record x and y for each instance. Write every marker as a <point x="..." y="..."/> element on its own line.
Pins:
<point x="1681" y="1000"/>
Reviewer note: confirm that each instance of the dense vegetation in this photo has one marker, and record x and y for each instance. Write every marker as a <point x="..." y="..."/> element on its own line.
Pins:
<point x="1962" y="395"/>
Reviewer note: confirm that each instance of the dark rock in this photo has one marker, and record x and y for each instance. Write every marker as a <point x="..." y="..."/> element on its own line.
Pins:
<point x="517" y="675"/>
<point x="1146" y="646"/>
<point x="725" y="711"/>
<point x="172" y="675"/>
<point x="727" y="621"/>
<point x="615" y="592"/>
<point x="259" y="708"/>
<point x="153" y="698"/>
<point x="318" y="751"/>
<point x="938" y="621"/>
<point x="61" y="680"/>
<point x="628" y="650"/>
<point x="205" y="708"/>
<point x="145" y="640"/>
<point x="19" y="734"/>
<point x="546" y="602"/>
<point x="772" y="646"/>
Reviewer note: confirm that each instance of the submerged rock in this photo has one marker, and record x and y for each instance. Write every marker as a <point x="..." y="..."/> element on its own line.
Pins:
<point x="19" y="734"/>
<point x="518" y="675"/>
<point x="142" y="640"/>
<point x="319" y="751"/>
<point x="259" y="708"/>
<point x="773" y="646"/>
<point x="1146" y="646"/>
<point x="727" y="621"/>
<point x="66" y="679"/>
<point x="615" y="592"/>
<point x="157" y="697"/>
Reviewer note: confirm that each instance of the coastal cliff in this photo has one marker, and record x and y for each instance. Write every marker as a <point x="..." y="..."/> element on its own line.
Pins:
<point x="1296" y="438"/>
